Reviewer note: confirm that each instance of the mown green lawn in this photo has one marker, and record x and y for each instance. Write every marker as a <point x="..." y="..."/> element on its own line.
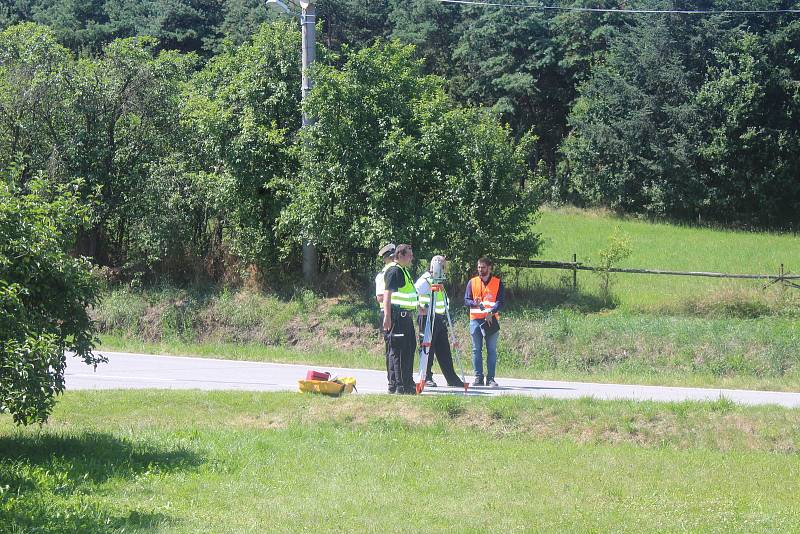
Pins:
<point x="160" y="461"/>
<point x="663" y="246"/>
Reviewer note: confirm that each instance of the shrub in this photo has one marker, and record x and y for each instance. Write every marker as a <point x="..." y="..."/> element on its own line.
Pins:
<point x="44" y="297"/>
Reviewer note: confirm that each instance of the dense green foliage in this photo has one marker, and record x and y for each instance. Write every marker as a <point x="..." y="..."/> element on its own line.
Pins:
<point x="692" y="117"/>
<point x="200" y="171"/>
<point x="108" y="121"/>
<point x="242" y="112"/>
<point x="693" y="126"/>
<point x="391" y="156"/>
<point x="44" y="296"/>
<point x="88" y="25"/>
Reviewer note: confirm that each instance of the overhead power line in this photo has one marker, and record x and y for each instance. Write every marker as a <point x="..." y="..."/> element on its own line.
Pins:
<point x="639" y="11"/>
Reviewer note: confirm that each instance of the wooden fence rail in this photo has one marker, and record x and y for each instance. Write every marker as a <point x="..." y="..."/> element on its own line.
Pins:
<point x="575" y="266"/>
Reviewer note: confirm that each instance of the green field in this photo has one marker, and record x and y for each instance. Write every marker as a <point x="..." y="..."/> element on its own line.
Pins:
<point x="160" y="461"/>
<point x="666" y="247"/>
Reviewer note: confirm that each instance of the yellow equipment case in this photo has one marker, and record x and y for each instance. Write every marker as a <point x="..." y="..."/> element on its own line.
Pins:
<point x="333" y="388"/>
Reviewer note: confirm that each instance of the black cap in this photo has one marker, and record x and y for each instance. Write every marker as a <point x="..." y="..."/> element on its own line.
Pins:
<point x="388" y="250"/>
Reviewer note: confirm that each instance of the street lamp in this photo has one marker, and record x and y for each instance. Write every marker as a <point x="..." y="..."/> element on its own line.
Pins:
<point x="278" y="4"/>
<point x="307" y="12"/>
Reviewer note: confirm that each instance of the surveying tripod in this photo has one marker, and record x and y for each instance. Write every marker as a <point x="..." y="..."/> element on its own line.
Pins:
<point x="436" y="280"/>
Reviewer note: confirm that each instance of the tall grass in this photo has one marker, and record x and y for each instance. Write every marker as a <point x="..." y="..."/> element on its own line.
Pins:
<point x="205" y="314"/>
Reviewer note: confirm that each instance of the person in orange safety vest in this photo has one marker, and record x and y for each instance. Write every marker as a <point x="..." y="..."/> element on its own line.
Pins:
<point x="485" y="297"/>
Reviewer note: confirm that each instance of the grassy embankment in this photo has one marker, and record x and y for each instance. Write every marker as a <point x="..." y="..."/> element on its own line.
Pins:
<point x="161" y="461"/>
<point x="667" y="330"/>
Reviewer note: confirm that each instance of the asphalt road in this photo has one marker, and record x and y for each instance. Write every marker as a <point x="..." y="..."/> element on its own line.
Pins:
<point x="139" y="371"/>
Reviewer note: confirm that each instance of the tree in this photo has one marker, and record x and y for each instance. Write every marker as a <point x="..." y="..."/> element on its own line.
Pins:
<point x="749" y="156"/>
<point x="630" y="146"/>
<point x="80" y="25"/>
<point x="244" y="111"/>
<point x="390" y="156"/>
<point x="242" y="19"/>
<point x="617" y="249"/>
<point x="184" y="25"/>
<point x="110" y="121"/>
<point x="694" y="120"/>
<point x="353" y="23"/>
<point x="13" y="12"/>
<point x="86" y="26"/>
<point x="34" y="71"/>
<point x="508" y="59"/>
<point x="44" y="296"/>
<point x="432" y="27"/>
<point x="124" y="111"/>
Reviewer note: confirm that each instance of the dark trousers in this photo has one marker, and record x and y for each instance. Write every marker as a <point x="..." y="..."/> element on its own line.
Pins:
<point x="440" y="349"/>
<point x="402" y="343"/>
<point x="385" y="336"/>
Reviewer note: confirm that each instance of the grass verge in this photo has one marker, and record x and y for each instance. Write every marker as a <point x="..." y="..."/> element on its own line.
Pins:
<point x="161" y="461"/>
<point x="370" y="360"/>
<point x="559" y="344"/>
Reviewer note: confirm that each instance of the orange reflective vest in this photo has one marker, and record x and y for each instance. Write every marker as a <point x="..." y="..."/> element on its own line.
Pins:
<point x="484" y="293"/>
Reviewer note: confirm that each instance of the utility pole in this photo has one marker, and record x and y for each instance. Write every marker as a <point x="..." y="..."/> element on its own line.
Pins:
<point x="308" y="19"/>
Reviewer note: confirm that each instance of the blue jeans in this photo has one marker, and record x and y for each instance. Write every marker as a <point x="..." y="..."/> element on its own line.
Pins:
<point x="477" y="349"/>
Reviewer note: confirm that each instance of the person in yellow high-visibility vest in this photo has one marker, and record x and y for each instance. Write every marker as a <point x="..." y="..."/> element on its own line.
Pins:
<point x="399" y="305"/>
<point x="485" y="296"/>
<point x="440" y="343"/>
<point x="387" y="255"/>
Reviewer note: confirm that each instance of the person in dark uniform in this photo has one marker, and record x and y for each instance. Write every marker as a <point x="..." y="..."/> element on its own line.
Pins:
<point x="440" y="342"/>
<point x="399" y="304"/>
<point x="387" y="254"/>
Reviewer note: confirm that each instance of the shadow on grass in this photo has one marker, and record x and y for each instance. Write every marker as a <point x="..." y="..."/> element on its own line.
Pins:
<point x="57" y="518"/>
<point x="47" y="481"/>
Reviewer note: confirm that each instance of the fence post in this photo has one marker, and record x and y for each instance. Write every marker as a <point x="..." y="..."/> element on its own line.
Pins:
<point x="574" y="272"/>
